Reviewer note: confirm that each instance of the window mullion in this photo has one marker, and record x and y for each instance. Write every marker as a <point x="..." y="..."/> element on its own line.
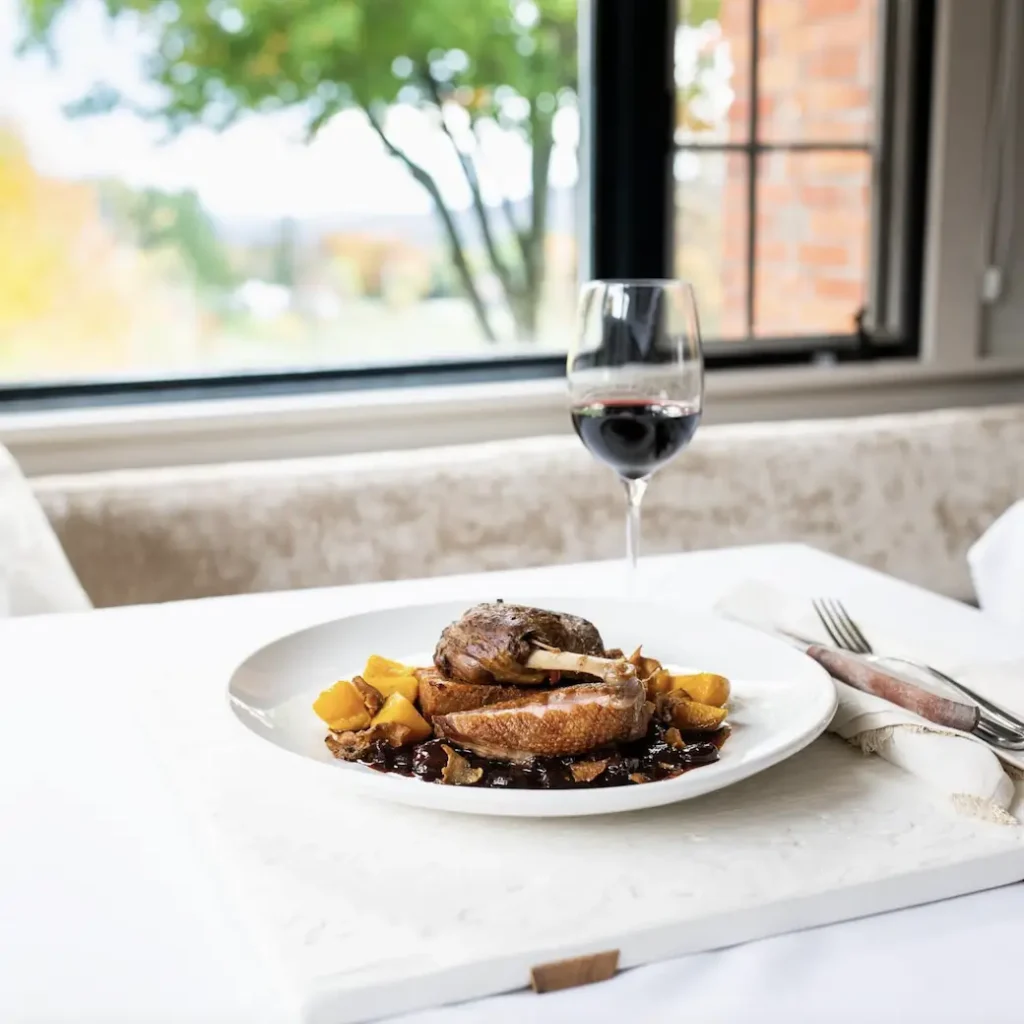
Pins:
<point x="755" y="21"/>
<point x="897" y="199"/>
<point x="631" y="128"/>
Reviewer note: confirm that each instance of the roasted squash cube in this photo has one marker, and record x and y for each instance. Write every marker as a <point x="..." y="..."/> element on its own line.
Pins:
<point x="703" y="687"/>
<point x="390" y="677"/>
<point x="342" y="707"/>
<point x="377" y="667"/>
<point x="398" y="708"/>
<point x="688" y="714"/>
<point x="408" y="686"/>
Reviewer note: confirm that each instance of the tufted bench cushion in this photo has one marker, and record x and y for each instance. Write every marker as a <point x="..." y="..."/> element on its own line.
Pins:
<point x="906" y="494"/>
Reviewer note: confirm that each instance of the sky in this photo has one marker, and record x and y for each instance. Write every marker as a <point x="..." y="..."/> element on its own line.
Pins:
<point x="261" y="167"/>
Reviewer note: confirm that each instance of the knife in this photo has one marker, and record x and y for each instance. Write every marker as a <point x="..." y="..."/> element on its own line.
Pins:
<point x="869" y="678"/>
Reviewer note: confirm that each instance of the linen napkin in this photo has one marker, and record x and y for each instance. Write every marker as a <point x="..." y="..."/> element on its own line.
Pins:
<point x="996" y="561"/>
<point x="977" y="780"/>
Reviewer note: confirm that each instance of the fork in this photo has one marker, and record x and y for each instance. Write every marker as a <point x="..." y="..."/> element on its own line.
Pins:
<point x="996" y="724"/>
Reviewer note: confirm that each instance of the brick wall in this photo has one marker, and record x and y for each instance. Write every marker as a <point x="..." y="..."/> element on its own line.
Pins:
<point x="815" y="79"/>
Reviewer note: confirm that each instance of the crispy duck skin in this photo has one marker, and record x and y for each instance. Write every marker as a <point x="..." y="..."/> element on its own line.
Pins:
<point x="550" y="723"/>
<point x="440" y="696"/>
<point x="500" y="643"/>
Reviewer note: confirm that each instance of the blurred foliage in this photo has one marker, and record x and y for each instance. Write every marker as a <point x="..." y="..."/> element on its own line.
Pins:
<point x="508" y="61"/>
<point x="370" y="265"/>
<point x="691" y="94"/>
<point x="170" y="221"/>
<point x="465" y="64"/>
<point x="63" y="281"/>
<point x="695" y="12"/>
<point x="217" y="59"/>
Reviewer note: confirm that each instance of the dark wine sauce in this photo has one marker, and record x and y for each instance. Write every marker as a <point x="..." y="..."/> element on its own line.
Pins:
<point x="648" y="759"/>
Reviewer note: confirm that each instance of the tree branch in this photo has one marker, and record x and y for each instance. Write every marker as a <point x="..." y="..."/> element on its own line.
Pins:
<point x="543" y="141"/>
<point x="501" y="268"/>
<point x="508" y="209"/>
<point x="462" y="268"/>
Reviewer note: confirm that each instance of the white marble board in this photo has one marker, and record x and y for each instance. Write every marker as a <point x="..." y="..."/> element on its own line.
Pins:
<point x="366" y="909"/>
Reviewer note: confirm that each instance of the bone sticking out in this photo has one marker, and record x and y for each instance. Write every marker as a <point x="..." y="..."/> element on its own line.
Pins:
<point x="611" y="670"/>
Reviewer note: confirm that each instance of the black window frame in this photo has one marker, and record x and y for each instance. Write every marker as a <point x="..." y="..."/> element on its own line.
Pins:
<point x="627" y="92"/>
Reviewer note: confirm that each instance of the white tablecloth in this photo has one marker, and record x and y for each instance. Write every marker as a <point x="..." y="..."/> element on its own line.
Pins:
<point x="108" y="912"/>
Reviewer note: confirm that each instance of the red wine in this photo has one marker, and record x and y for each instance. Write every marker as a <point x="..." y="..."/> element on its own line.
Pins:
<point x="635" y="438"/>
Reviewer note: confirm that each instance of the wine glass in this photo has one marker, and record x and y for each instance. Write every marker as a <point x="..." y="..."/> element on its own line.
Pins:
<point x="636" y="381"/>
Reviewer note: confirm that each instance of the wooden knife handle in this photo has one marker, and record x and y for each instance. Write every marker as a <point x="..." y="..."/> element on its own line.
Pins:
<point x="862" y="675"/>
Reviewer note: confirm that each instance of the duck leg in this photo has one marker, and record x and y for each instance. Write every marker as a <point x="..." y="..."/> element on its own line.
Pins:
<point x="610" y="670"/>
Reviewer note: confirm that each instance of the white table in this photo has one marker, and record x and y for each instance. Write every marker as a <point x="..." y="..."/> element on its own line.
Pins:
<point x="108" y="912"/>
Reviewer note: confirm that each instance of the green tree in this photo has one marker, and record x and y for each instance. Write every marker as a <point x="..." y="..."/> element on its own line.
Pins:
<point x="174" y="221"/>
<point x="509" y="62"/>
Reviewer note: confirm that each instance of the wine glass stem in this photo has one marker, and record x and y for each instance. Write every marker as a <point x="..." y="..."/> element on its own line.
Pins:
<point x="635" y="490"/>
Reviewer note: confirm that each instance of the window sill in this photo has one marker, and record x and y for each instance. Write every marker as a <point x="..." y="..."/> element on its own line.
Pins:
<point x="238" y="429"/>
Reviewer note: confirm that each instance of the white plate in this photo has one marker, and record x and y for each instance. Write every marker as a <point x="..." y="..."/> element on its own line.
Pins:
<point x="781" y="699"/>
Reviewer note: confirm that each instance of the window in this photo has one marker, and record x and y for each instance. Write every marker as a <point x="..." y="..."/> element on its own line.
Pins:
<point x="773" y="163"/>
<point x="783" y="135"/>
<point x="196" y="197"/>
<point x="189" y="187"/>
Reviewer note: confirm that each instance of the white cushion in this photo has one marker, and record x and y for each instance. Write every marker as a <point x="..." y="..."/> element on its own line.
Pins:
<point x="35" y="576"/>
<point x="905" y="494"/>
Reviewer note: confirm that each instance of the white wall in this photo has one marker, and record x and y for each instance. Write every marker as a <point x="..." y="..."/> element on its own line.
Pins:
<point x="1004" y="321"/>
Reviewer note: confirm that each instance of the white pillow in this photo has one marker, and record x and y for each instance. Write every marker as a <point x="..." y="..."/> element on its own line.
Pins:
<point x="35" y="575"/>
<point x="996" y="560"/>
